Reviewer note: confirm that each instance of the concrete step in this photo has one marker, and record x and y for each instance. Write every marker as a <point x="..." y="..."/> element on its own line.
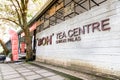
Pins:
<point x="79" y="75"/>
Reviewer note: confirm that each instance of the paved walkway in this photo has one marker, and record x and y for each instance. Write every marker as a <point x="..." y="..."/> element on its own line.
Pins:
<point x="78" y="75"/>
<point x="24" y="71"/>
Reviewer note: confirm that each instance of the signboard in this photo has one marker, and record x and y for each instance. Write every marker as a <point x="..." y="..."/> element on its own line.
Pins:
<point x="14" y="40"/>
<point x="74" y="34"/>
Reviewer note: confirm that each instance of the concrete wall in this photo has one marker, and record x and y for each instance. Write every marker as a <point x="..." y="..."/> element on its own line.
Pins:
<point x="97" y="51"/>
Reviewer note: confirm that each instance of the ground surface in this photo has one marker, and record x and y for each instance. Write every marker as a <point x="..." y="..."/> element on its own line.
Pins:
<point x="25" y="71"/>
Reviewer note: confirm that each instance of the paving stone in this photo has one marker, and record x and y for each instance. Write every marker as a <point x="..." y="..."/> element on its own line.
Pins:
<point x="9" y="73"/>
<point x="43" y="79"/>
<point x="7" y="70"/>
<point x="25" y="65"/>
<point x="16" y="66"/>
<point x="0" y="77"/>
<point x="21" y="68"/>
<point x="33" y="77"/>
<point x="7" y="67"/>
<point x="57" y="77"/>
<point x="31" y="67"/>
<point x="41" y="71"/>
<point x="17" y="79"/>
<point x="11" y="76"/>
<point x="36" y="69"/>
<point x="24" y="70"/>
<point x="48" y="74"/>
<point x="27" y="73"/>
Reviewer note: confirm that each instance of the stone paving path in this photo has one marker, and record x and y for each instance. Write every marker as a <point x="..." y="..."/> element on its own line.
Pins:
<point x="24" y="71"/>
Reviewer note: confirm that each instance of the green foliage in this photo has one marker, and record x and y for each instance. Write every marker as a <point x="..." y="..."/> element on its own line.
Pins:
<point x="18" y="12"/>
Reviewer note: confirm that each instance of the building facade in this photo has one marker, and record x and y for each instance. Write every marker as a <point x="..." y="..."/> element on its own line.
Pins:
<point x="82" y="35"/>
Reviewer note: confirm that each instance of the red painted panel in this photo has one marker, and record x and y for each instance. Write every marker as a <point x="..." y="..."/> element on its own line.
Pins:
<point x="14" y="40"/>
<point x="22" y="47"/>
